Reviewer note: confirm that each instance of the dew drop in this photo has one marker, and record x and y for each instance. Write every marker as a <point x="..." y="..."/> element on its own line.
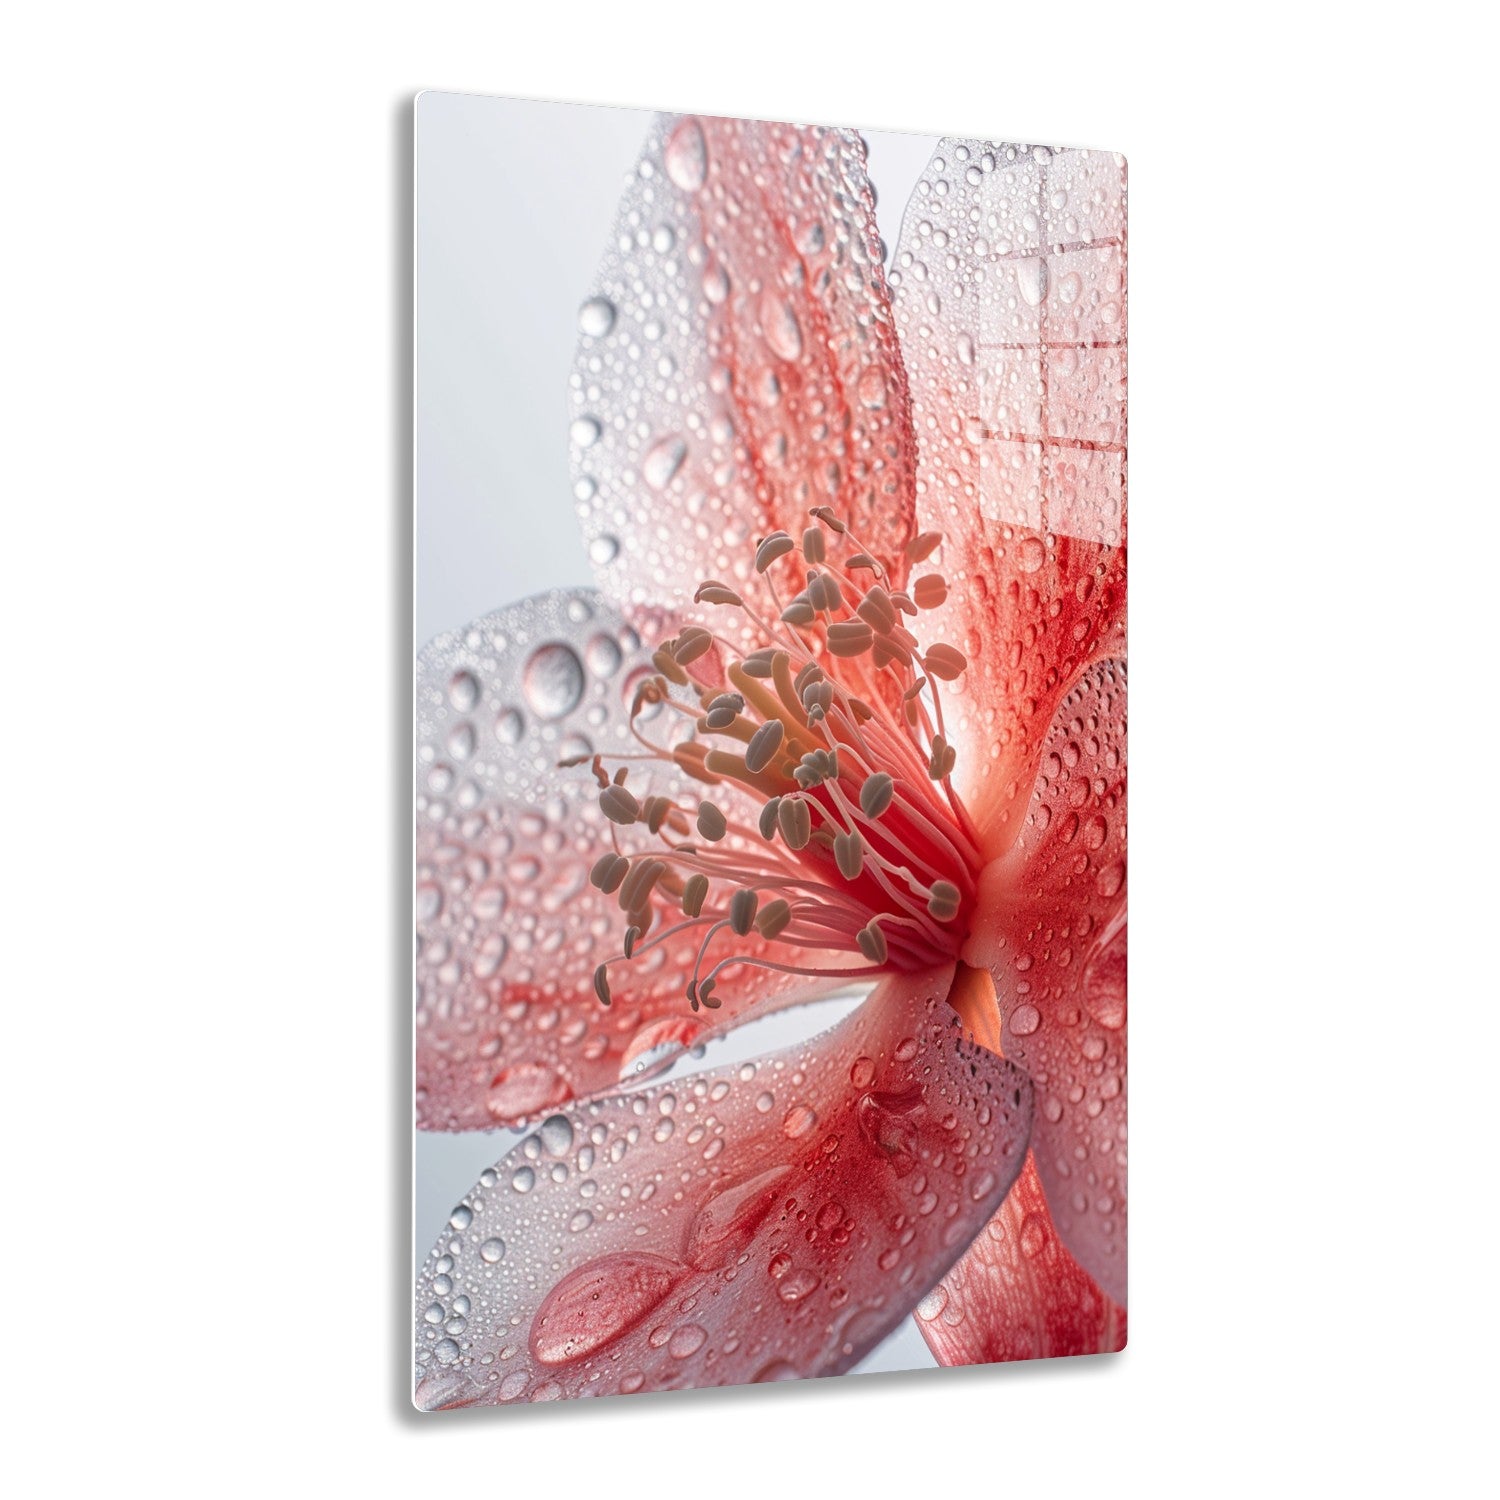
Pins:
<point x="686" y="156"/>
<point x="553" y="680"/>
<point x="1031" y="554"/>
<point x="509" y="727"/>
<point x="797" y="1285"/>
<point x="799" y="1120"/>
<point x="557" y="1134"/>
<point x="492" y="1250"/>
<point x="662" y="461"/>
<point x="596" y="1303"/>
<point x="1031" y="278"/>
<point x="463" y="691"/>
<point x="1025" y="1019"/>
<point x="726" y="1222"/>
<point x="596" y="317"/>
<point x="523" y="1090"/>
<point x="686" y="1341"/>
<point x="584" y="432"/>
<point x="779" y="323"/>
<point x="603" y="549"/>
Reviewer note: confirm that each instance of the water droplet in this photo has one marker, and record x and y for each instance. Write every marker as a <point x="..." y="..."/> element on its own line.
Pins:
<point x="1031" y="554"/>
<point x="1031" y="278"/>
<point x="687" y="1340"/>
<point x="509" y="727"/>
<point x="862" y="1074"/>
<point x="871" y="388"/>
<point x="553" y="680"/>
<point x="596" y="317"/>
<point x="889" y="1123"/>
<point x="1033" y="1236"/>
<point x="492" y="1250"/>
<point x="1110" y="879"/>
<point x="557" y="1134"/>
<point x="779" y="324"/>
<point x="523" y="1179"/>
<point x="584" y="432"/>
<point x="446" y="1351"/>
<point x="797" y="1285"/>
<point x="461" y="1217"/>
<point x="662" y="462"/>
<point x="726" y="1222"/>
<point x="603" y="549"/>
<point x="1025" y="1020"/>
<point x="596" y="1303"/>
<point x="1069" y="288"/>
<point x="461" y="741"/>
<point x="523" y="1090"/>
<point x="799" y="1120"/>
<point x="463" y="691"/>
<point x="765" y="1102"/>
<point x="778" y="1369"/>
<point x="686" y="156"/>
<point x="932" y="1305"/>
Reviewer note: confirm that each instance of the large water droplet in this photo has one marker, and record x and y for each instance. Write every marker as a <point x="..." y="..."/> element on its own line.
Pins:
<point x="687" y="156"/>
<point x="596" y="317"/>
<point x="888" y="1121"/>
<point x="523" y="1090"/>
<point x="596" y="1303"/>
<point x="687" y="1340"/>
<point x="725" y="1223"/>
<point x="463" y="691"/>
<point x="662" y="462"/>
<point x="553" y="680"/>
<point x="1031" y="278"/>
<point x="779" y="323"/>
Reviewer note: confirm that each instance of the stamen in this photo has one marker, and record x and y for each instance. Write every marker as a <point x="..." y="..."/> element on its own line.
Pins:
<point x="923" y="545"/>
<point x="711" y="822"/>
<point x="876" y="795"/>
<point x="778" y="544"/>
<point x="930" y="591"/>
<point x="619" y="806"/>
<point x="742" y="911"/>
<point x="694" y="894"/>
<point x="765" y="744"/>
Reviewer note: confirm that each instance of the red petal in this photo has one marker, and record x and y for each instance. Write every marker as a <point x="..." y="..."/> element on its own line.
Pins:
<point x="737" y="366"/>
<point x="509" y="929"/>
<point x="1018" y="1294"/>
<point x="1009" y="290"/>
<point x="1054" y="939"/>
<point x="764" y="1221"/>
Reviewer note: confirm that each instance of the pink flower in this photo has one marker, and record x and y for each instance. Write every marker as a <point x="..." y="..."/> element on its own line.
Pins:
<point x="849" y="705"/>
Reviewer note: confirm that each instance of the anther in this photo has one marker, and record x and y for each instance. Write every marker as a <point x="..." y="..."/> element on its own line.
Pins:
<point x="760" y="663"/>
<point x="794" y="818"/>
<point x="693" y="894"/>
<point x="923" y="545"/>
<point x="863" y="560"/>
<point x="631" y="934"/>
<point x="902" y="600"/>
<point x="742" y="912"/>
<point x="942" y="902"/>
<point x="929" y="591"/>
<point x="850" y="638"/>
<point x="636" y="888"/>
<point x="817" y="699"/>
<point x="764" y="743"/>
<point x="609" y="870"/>
<point x="773" y="920"/>
<point x="666" y="664"/>
<point x="813" y="548"/>
<point x="619" y="806"/>
<point x="778" y="544"/>
<point x="706" y="994"/>
<point x="769" y="816"/>
<point x="871" y="942"/>
<point x="876" y="610"/>
<point x="601" y="985"/>
<point x="823" y="592"/>
<point x="943" y="758"/>
<point x="944" y="661"/>
<point x="877" y="794"/>
<point x="816" y="767"/>
<point x="799" y="612"/>
<point x="825" y="514"/>
<point x="849" y="854"/>
<point x="712" y="592"/>
<point x="711" y="822"/>
<point x="654" y="812"/>
<point x="691" y="644"/>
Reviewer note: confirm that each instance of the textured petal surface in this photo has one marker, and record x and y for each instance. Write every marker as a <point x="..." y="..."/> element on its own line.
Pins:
<point x="1054" y="937"/>
<point x="1017" y="1294"/>
<point x="1009" y="291"/>
<point x="509" y="929"/>
<point x="737" y="363"/>
<point x="760" y="1222"/>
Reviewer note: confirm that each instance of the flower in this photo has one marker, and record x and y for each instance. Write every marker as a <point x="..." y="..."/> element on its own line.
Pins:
<point x="848" y="705"/>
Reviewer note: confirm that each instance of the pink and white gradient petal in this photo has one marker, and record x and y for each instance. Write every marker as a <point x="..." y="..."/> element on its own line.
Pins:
<point x="509" y="929"/>
<point x="1009" y="292"/>
<point x="763" y="1221"/>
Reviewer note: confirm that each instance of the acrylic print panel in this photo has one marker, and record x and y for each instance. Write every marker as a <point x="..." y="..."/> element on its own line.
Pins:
<point x="770" y="778"/>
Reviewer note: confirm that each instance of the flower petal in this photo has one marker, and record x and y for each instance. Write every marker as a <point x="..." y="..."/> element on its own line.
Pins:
<point x="1009" y="291"/>
<point x="1016" y="1293"/>
<point x="737" y="366"/>
<point x="1054" y="938"/>
<point x="763" y="1221"/>
<point x="509" y="930"/>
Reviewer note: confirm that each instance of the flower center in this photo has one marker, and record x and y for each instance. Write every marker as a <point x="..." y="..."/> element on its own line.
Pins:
<point x="828" y="820"/>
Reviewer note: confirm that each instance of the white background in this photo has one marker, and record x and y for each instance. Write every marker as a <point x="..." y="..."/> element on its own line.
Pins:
<point x="206" y="586"/>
